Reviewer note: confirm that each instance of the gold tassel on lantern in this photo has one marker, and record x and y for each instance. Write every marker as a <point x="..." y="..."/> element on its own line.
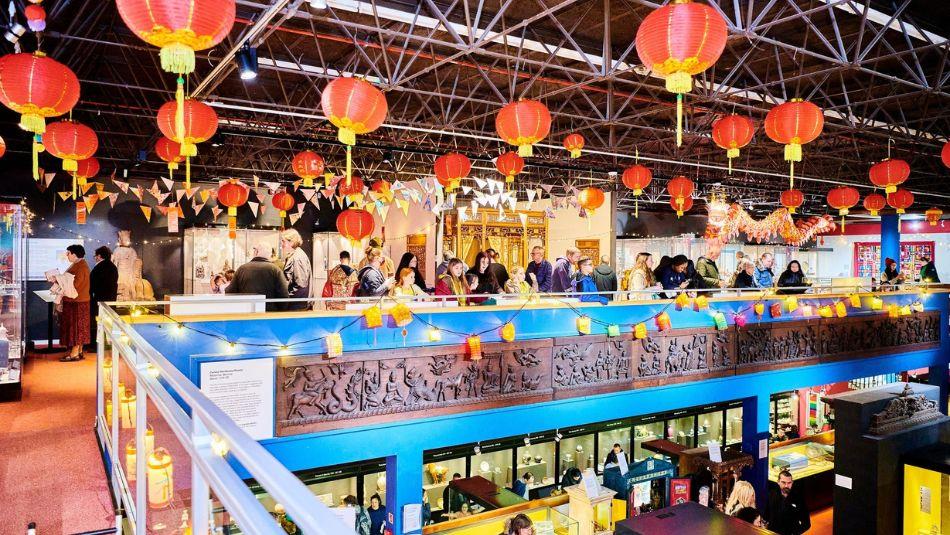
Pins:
<point x="232" y="222"/>
<point x="37" y="149"/>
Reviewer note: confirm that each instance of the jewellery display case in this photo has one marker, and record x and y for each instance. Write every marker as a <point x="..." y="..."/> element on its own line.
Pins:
<point x="12" y="273"/>
<point x="811" y="461"/>
<point x="209" y="251"/>
<point x="783" y="411"/>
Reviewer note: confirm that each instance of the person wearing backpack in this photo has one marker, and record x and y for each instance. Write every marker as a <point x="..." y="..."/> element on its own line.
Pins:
<point x="341" y="280"/>
<point x="363" y="523"/>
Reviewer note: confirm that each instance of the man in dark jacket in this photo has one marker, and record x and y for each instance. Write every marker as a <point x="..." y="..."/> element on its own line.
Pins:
<point x="928" y="271"/>
<point x="785" y="509"/>
<point x="561" y="276"/>
<point x="605" y="278"/>
<point x="103" y="285"/>
<point x="260" y="276"/>
<point x="539" y="270"/>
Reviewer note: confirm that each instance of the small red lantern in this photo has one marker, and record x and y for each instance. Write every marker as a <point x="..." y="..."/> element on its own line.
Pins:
<point x="945" y="154"/>
<point x="86" y="169"/>
<point x="170" y="152"/>
<point x="792" y="199"/>
<point x="35" y="17"/>
<point x="900" y="200"/>
<point x="232" y="194"/>
<point x="283" y="202"/>
<point x="355" y="187"/>
<point x="842" y="199"/>
<point x="574" y="143"/>
<point x="307" y="165"/>
<point x="354" y="106"/>
<point x="874" y="203"/>
<point x="3" y="147"/>
<point x="793" y="124"/>
<point x="523" y="123"/>
<point x="355" y="224"/>
<point x="451" y="168"/>
<point x="681" y="205"/>
<point x="590" y="199"/>
<point x="188" y="124"/>
<point x="680" y="188"/>
<point x="889" y="174"/>
<point x="732" y="132"/>
<point x="678" y="41"/>
<point x="933" y="216"/>
<point x="637" y="177"/>
<point x="381" y="186"/>
<point x="510" y="165"/>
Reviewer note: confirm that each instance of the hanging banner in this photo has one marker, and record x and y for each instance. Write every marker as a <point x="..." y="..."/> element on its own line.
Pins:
<point x="80" y="213"/>
<point x="173" y="221"/>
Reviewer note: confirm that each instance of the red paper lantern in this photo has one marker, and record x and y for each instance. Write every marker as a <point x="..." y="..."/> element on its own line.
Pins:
<point x="900" y="200"/>
<point x="86" y="169"/>
<point x="637" y="178"/>
<point x="590" y="199"/>
<point x="945" y="154"/>
<point x="3" y="147"/>
<point x="37" y="87"/>
<point x="307" y="165"/>
<point x="354" y="106"/>
<point x="523" y="123"/>
<point x="678" y="41"/>
<point x="933" y="216"/>
<point x="874" y="203"/>
<point x="842" y="199"/>
<point x="170" y="152"/>
<point x="889" y="174"/>
<point x="451" y="168"/>
<point x="381" y="186"/>
<point x="792" y="199"/>
<point x="178" y="27"/>
<point x="232" y="194"/>
<point x="283" y="202"/>
<point x="681" y="207"/>
<point x="510" y="165"/>
<point x="35" y="17"/>
<point x="355" y="224"/>
<point x="793" y="124"/>
<point x="197" y="123"/>
<point x="355" y="187"/>
<point x="574" y="143"/>
<point x="680" y="188"/>
<point x="70" y="141"/>
<point x="732" y="132"/>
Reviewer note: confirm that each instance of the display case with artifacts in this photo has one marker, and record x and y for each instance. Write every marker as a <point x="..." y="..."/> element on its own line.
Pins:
<point x="645" y="486"/>
<point x="209" y="251"/>
<point x="811" y="461"/>
<point x="491" y="229"/>
<point x="681" y="429"/>
<point x="645" y="432"/>
<point x="12" y="284"/>
<point x="437" y="474"/>
<point x="783" y="411"/>
<point x="617" y="432"/>
<point x="577" y="451"/>
<point x="545" y="518"/>
<point x="538" y="459"/>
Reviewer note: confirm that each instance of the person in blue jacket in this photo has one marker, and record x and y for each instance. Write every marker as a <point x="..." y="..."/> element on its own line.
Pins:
<point x="377" y="515"/>
<point x="674" y="277"/>
<point x="584" y="282"/>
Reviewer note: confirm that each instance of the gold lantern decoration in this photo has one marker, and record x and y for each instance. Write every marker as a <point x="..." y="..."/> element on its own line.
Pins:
<point x="334" y="345"/>
<point x="663" y="322"/>
<point x="508" y="332"/>
<point x="401" y="314"/>
<point x="474" y="344"/>
<point x="855" y="300"/>
<point x="583" y="324"/>
<point x="640" y="331"/>
<point x="373" y="316"/>
<point x="841" y="310"/>
<point x="160" y="478"/>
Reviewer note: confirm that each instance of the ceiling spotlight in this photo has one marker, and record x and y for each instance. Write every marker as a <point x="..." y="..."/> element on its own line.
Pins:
<point x="318" y="4"/>
<point x="612" y="174"/>
<point x="247" y="62"/>
<point x="389" y="157"/>
<point x="14" y="32"/>
<point x="217" y="139"/>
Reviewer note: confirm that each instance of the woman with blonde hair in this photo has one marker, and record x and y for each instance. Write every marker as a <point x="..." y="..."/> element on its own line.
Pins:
<point x="517" y="283"/>
<point x="406" y="285"/>
<point x="297" y="268"/>
<point x="372" y="281"/>
<point x="743" y="495"/>
<point x="452" y="282"/>
<point x="642" y="277"/>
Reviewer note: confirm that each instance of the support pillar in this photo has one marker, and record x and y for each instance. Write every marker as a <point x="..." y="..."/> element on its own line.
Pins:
<point x="403" y="486"/>
<point x="890" y="238"/>
<point x="938" y="376"/>
<point x="755" y="427"/>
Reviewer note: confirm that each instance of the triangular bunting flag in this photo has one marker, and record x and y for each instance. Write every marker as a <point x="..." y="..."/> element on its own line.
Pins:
<point x="112" y="198"/>
<point x="204" y="194"/>
<point x="547" y="188"/>
<point x="524" y="220"/>
<point x="48" y="178"/>
<point x="215" y="211"/>
<point x="197" y="207"/>
<point x="531" y="193"/>
<point x="65" y="195"/>
<point x="480" y="182"/>
<point x="466" y="190"/>
<point x="300" y="207"/>
<point x="90" y="201"/>
<point x="85" y="187"/>
<point x="124" y="186"/>
<point x="383" y="210"/>
<point x="162" y="196"/>
<point x="137" y="190"/>
<point x="297" y="184"/>
<point x="308" y="193"/>
<point x="257" y="179"/>
<point x="293" y="218"/>
<point x="169" y="183"/>
<point x="162" y="209"/>
<point x="254" y="206"/>
<point x="147" y="210"/>
<point x="179" y="193"/>
<point x="463" y="213"/>
<point x="272" y="186"/>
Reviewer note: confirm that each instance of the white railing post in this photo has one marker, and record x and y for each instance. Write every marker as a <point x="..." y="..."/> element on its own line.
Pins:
<point x="200" y="491"/>
<point x="141" y="455"/>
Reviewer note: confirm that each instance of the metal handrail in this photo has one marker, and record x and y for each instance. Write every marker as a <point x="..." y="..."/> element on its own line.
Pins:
<point x="311" y="515"/>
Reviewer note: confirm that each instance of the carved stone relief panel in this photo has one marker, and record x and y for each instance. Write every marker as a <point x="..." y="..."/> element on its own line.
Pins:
<point x="683" y="352"/>
<point x="778" y="342"/>
<point x="879" y="334"/>
<point x="586" y="361"/>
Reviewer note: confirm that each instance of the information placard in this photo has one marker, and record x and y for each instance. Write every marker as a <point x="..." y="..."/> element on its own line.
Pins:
<point x="244" y="390"/>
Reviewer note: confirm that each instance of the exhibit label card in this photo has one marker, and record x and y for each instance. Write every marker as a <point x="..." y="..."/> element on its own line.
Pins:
<point x="622" y="463"/>
<point x="244" y="390"/>
<point x="715" y="451"/>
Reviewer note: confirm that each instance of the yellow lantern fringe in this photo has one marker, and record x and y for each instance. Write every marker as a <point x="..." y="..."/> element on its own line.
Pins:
<point x="32" y="122"/>
<point x="575" y="153"/>
<point x="70" y="165"/>
<point x="177" y="58"/>
<point x="525" y="151"/>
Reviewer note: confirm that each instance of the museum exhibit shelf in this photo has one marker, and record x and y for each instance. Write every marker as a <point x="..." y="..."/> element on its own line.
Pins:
<point x="546" y="513"/>
<point x="12" y="300"/>
<point x="209" y="251"/>
<point x="811" y="460"/>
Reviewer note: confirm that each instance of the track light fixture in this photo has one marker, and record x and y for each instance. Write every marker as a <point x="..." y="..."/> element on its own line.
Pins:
<point x="527" y="441"/>
<point x="247" y="62"/>
<point x="318" y="4"/>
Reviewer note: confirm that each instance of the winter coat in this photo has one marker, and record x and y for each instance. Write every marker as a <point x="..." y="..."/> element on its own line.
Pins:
<point x="261" y="277"/>
<point x="764" y="277"/>
<point x="371" y="282"/>
<point x="561" y="275"/>
<point x="605" y="278"/>
<point x="708" y="272"/>
<point x="543" y="272"/>
<point x="584" y="284"/>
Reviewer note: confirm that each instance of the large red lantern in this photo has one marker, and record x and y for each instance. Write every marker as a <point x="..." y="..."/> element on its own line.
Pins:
<point x="35" y="17"/>
<point x="678" y="41"/>
<point x="874" y="203"/>
<point x="283" y="202"/>
<point x="732" y="132"/>
<point x="70" y="141"/>
<point x="195" y="123"/>
<point x="889" y="174"/>
<point x="170" y="152"/>
<point x="900" y="200"/>
<point x="510" y="165"/>
<point x="307" y="165"/>
<point x="793" y="124"/>
<point x="637" y="177"/>
<point x="354" y="106"/>
<point x="355" y="224"/>
<point x="680" y="189"/>
<point x="933" y="216"/>
<point x="842" y="199"/>
<point x="945" y="154"/>
<point x="591" y="198"/>
<point x="355" y="187"/>
<point x="574" y="143"/>
<point x="522" y="124"/>
<point x="232" y="194"/>
<point x="792" y="199"/>
<point x="681" y="207"/>
<point x="451" y="168"/>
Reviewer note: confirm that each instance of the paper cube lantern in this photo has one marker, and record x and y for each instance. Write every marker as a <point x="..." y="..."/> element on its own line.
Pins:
<point x="791" y="303"/>
<point x="775" y="310"/>
<point x="759" y="308"/>
<point x="508" y="332"/>
<point x="663" y="322"/>
<point x="855" y="300"/>
<point x="583" y="324"/>
<point x="474" y="343"/>
<point x="613" y="330"/>
<point x="877" y="303"/>
<point x="373" y="316"/>
<point x="435" y="335"/>
<point x="807" y="310"/>
<point x="739" y="320"/>
<point x="720" y="319"/>
<point x="640" y="331"/>
<point x="826" y="311"/>
<point x="334" y="345"/>
<point x="841" y="310"/>
<point x="893" y="311"/>
<point x="701" y="303"/>
<point x="905" y="310"/>
<point x="401" y="314"/>
<point x="917" y="306"/>
<point x="681" y="301"/>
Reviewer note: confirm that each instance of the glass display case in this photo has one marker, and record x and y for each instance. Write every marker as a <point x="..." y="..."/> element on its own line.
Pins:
<point x="926" y="500"/>
<point x="436" y="476"/>
<point x="494" y="466"/>
<point x="606" y="440"/>
<point x="209" y="251"/>
<point x="643" y="433"/>
<point x="681" y="429"/>
<point x="12" y="273"/>
<point x="803" y="457"/>
<point x="783" y="411"/>
<point x="539" y="459"/>
<point x="734" y="425"/>
<point x="578" y="452"/>
<point x="709" y="427"/>
<point x="645" y="486"/>
<point x="546" y="520"/>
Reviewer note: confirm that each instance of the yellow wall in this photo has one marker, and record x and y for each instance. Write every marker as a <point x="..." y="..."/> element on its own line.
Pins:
<point x="916" y="521"/>
<point x="566" y="228"/>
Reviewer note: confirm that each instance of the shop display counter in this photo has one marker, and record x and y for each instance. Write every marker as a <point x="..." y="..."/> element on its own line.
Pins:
<point x="689" y="517"/>
<point x="11" y="300"/>
<point x="811" y="460"/>
<point x="547" y="520"/>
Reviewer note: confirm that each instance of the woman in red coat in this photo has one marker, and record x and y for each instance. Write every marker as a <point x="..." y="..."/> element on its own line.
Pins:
<point x="74" y="321"/>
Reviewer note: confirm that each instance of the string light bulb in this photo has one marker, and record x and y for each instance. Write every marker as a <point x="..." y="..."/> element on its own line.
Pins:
<point x="435" y="335"/>
<point x="218" y="445"/>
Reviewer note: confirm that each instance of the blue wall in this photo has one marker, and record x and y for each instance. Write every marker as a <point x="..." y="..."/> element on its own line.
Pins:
<point x="403" y="442"/>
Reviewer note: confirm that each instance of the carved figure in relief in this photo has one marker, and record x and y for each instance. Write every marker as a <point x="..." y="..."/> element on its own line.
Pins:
<point x="699" y="349"/>
<point x="720" y="350"/>
<point x="529" y="383"/>
<point x="508" y="384"/>
<point x="393" y="396"/>
<point x="674" y="357"/>
<point x="526" y="358"/>
<point x="451" y="383"/>
<point x="602" y="365"/>
<point x="295" y="374"/>
<point x="650" y="360"/>
<point x="312" y="395"/>
<point x="489" y="381"/>
<point x="617" y="359"/>
<point x="371" y="391"/>
<point x="418" y="388"/>
<point x="442" y="364"/>
<point x="471" y="380"/>
<point x="352" y="392"/>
